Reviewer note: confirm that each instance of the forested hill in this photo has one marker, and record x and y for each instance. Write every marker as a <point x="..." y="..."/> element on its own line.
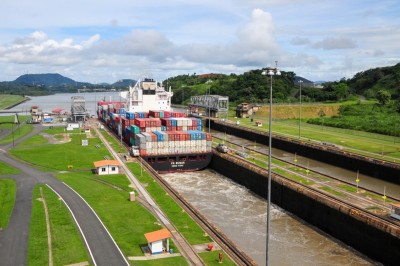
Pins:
<point x="253" y="87"/>
<point x="250" y="86"/>
<point x="50" y="79"/>
<point x="44" y="84"/>
<point x="369" y="82"/>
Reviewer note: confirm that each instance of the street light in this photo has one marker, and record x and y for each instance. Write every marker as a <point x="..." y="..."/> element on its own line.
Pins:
<point x="300" y="82"/>
<point x="209" y="106"/>
<point x="270" y="72"/>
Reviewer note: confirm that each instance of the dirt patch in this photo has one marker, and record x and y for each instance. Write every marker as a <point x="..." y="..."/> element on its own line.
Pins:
<point x="64" y="138"/>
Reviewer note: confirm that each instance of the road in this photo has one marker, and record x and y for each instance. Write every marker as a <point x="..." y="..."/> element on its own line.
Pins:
<point x="14" y="239"/>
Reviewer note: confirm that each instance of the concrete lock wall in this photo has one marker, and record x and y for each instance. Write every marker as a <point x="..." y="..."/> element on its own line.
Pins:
<point x="352" y="227"/>
<point x="374" y="167"/>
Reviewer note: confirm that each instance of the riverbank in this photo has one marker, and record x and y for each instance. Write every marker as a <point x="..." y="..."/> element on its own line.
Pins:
<point x="8" y="101"/>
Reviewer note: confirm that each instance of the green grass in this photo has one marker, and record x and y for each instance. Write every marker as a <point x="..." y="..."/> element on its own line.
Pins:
<point x="331" y="191"/>
<point x="178" y="261"/>
<point x="7" y="200"/>
<point x="57" y="157"/>
<point x="37" y="246"/>
<point x="34" y="140"/>
<point x="127" y="221"/>
<point x="18" y="133"/>
<point x="116" y="146"/>
<point x="371" y="144"/>
<point x="347" y="188"/>
<point x="294" y="177"/>
<point x="7" y="100"/>
<point x="212" y="258"/>
<point x="192" y="232"/>
<point x="8" y="170"/>
<point x="67" y="245"/>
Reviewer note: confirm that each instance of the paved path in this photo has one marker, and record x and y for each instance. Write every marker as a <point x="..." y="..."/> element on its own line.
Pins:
<point x="14" y="240"/>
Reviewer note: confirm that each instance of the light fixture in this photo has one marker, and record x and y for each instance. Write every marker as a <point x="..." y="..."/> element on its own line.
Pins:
<point x="271" y="72"/>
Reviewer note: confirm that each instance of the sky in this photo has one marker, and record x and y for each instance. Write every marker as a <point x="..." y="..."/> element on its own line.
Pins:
<point x="105" y="41"/>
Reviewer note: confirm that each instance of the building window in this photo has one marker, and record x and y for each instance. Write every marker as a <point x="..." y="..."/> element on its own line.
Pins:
<point x="103" y="169"/>
<point x="113" y="168"/>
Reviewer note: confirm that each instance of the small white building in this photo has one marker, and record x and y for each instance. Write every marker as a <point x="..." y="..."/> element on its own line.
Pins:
<point x="158" y="241"/>
<point x="107" y="167"/>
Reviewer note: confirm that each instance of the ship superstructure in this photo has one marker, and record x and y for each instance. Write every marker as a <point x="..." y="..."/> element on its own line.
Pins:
<point x="147" y="95"/>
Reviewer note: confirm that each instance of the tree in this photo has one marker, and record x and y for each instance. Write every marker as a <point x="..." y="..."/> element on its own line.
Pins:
<point x="341" y="90"/>
<point x="383" y="97"/>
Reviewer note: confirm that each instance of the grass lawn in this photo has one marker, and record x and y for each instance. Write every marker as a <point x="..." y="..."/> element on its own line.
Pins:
<point x="7" y="170"/>
<point x="192" y="232"/>
<point x="112" y="141"/>
<point x="212" y="258"/>
<point x="67" y="245"/>
<point x="361" y="141"/>
<point x="178" y="261"/>
<point x="331" y="191"/>
<point x="18" y="133"/>
<point x="7" y="100"/>
<point x="34" y="140"/>
<point x="7" y="200"/>
<point x="57" y="157"/>
<point x="37" y="246"/>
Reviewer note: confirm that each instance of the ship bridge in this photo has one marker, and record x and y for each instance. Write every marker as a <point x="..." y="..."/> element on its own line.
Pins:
<point x="213" y="105"/>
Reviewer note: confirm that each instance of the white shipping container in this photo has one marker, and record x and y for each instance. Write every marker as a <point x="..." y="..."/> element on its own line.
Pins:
<point x="171" y="144"/>
<point x="140" y="139"/>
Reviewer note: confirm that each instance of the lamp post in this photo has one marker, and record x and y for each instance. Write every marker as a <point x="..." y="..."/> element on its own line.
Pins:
<point x="270" y="72"/>
<point x="300" y="82"/>
<point x="209" y="106"/>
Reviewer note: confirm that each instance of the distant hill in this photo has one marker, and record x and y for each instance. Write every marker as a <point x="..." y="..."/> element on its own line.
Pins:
<point x="369" y="82"/>
<point x="49" y="79"/>
<point x="124" y="82"/>
<point x="305" y="83"/>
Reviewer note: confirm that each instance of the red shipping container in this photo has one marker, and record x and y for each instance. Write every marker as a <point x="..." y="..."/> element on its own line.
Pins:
<point x="208" y="136"/>
<point x="153" y="137"/>
<point x="142" y="152"/>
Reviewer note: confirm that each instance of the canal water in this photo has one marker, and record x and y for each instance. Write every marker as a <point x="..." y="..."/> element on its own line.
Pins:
<point x="241" y="215"/>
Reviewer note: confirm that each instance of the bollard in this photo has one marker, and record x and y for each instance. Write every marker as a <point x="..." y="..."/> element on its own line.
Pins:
<point x="132" y="196"/>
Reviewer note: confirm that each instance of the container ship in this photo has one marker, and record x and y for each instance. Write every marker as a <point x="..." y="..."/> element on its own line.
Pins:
<point x="167" y="140"/>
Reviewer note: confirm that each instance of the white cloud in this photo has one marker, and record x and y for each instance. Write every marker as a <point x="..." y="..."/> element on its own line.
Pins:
<point x="335" y="43"/>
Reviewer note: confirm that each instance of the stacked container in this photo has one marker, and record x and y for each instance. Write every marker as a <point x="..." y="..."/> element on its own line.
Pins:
<point x="156" y="132"/>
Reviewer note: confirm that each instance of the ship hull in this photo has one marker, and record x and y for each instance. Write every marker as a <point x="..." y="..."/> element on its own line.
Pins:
<point x="178" y="162"/>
